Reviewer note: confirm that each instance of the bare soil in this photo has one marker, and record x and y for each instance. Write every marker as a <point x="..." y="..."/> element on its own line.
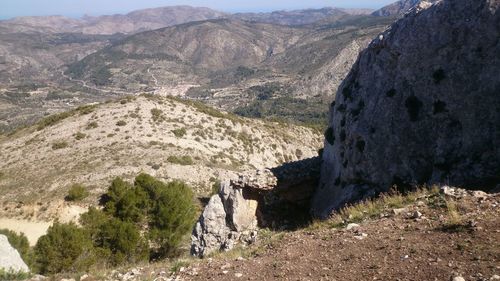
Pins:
<point x="397" y="247"/>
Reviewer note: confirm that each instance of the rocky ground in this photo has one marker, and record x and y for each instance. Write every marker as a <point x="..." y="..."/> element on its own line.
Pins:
<point x="444" y="235"/>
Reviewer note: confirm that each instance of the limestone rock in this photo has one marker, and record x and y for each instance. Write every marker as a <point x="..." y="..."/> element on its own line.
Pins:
<point x="233" y="215"/>
<point x="10" y="260"/>
<point x="229" y="218"/>
<point x="211" y="232"/>
<point x="399" y="8"/>
<point x="420" y="106"/>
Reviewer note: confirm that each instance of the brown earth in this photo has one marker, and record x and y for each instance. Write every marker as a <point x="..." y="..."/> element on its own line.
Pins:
<point x="437" y="246"/>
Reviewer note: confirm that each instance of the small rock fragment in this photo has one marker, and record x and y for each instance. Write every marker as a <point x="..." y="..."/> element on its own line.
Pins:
<point x="416" y="215"/>
<point x="352" y="226"/>
<point x="399" y="211"/>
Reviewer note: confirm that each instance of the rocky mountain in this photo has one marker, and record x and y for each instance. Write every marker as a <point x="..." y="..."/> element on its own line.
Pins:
<point x="296" y="17"/>
<point x="136" y="21"/>
<point x="205" y="46"/>
<point x="254" y="69"/>
<point x="398" y="8"/>
<point x="234" y="64"/>
<point x="420" y="106"/>
<point x="165" y="137"/>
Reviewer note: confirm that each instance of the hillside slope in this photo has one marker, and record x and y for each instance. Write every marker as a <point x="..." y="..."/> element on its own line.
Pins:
<point x="190" y="50"/>
<point x="168" y="138"/>
<point x="420" y="106"/>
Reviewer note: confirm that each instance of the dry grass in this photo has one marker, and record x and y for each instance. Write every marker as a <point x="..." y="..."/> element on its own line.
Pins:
<point x="372" y="209"/>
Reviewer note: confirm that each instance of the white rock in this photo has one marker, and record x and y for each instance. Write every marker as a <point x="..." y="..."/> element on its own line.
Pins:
<point x="10" y="260"/>
<point x="399" y="211"/>
<point x="416" y="215"/>
<point x="495" y="277"/>
<point x="458" y="278"/>
<point x="238" y="275"/>
<point x="352" y="226"/>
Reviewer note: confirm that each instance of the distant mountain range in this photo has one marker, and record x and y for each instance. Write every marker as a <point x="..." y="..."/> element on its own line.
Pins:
<point x="154" y="18"/>
<point x="133" y="22"/>
<point x="252" y="63"/>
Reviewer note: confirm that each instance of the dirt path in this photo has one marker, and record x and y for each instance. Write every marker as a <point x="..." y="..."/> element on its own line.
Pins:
<point x="32" y="230"/>
<point x="153" y="76"/>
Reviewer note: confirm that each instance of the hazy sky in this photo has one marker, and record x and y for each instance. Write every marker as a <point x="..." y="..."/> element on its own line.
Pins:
<point x="77" y="8"/>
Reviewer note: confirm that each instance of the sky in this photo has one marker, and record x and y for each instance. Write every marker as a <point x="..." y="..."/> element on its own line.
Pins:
<point x="78" y="8"/>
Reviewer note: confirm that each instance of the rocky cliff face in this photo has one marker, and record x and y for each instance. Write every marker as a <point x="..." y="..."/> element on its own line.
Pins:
<point x="398" y="8"/>
<point x="421" y="105"/>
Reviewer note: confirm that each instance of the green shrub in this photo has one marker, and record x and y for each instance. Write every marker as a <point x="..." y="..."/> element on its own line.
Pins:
<point x="157" y="115"/>
<point x="182" y="160"/>
<point x="77" y="192"/>
<point x="117" y="242"/>
<point x="215" y="187"/>
<point x="59" y="145"/>
<point x="126" y="202"/>
<point x="149" y="213"/>
<point x="65" y="248"/>
<point x="11" y="275"/>
<point x="92" y="125"/>
<point x="121" y="123"/>
<point x="172" y="213"/>
<point x="21" y="244"/>
<point x="52" y="120"/>
<point x="80" y="135"/>
<point x="179" y="132"/>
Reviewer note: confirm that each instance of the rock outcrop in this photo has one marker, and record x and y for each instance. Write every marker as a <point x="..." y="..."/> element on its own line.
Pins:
<point x="398" y="8"/>
<point x="10" y="260"/>
<point x="229" y="218"/>
<point x="247" y="202"/>
<point x="420" y="106"/>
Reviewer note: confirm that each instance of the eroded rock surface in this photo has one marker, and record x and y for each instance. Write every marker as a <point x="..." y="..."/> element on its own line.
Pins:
<point x="229" y="218"/>
<point x="10" y="260"/>
<point x="247" y="202"/>
<point x="421" y="105"/>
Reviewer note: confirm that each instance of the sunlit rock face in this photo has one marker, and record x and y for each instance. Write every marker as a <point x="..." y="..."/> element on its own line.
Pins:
<point x="420" y="106"/>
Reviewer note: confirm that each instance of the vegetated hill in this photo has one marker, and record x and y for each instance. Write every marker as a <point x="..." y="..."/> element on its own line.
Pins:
<point x="420" y="106"/>
<point x="398" y="8"/>
<point x="165" y="137"/>
<point x="187" y="52"/>
<point x="295" y="17"/>
<point x="140" y="20"/>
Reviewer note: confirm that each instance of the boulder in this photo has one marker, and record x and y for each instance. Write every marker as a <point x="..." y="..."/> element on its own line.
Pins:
<point x="420" y="106"/>
<point x="10" y="260"/>
<point x="246" y="202"/>
<point x="229" y="218"/>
